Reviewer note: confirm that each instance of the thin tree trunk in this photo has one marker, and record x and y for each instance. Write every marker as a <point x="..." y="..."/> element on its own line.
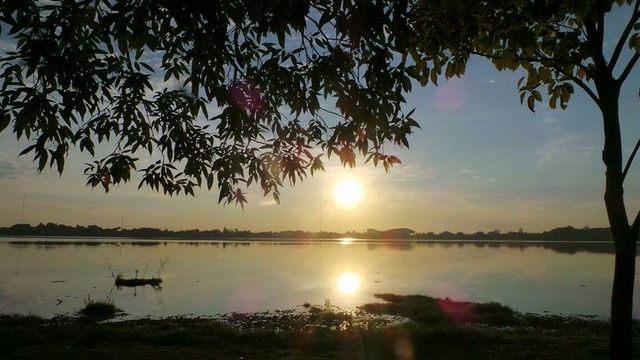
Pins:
<point x="622" y="296"/>
<point x="623" y="236"/>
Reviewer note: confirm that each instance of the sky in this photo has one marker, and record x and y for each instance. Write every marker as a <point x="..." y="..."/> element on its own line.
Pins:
<point x="481" y="162"/>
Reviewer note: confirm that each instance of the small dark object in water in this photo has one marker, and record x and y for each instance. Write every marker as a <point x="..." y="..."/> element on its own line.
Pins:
<point x="154" y="282"/>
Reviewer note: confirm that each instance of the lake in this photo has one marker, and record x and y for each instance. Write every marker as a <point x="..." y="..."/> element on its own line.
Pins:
<point x="49" y="277"/>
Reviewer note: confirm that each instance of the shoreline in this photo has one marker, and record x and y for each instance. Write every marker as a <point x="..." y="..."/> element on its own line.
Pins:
<point x="440" y="328"/>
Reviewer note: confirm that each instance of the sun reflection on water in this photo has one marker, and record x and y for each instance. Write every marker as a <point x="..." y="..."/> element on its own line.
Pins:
<point x="346" y="240"/>
<point x="348" y="282"/>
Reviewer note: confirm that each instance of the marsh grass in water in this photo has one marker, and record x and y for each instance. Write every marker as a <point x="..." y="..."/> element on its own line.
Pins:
<point x="153" y="281"/>
<point x="428" y="311"/>
<point x="134" y="282"/>
<point x="98" y="309"/>
<point x="399" y="327"/>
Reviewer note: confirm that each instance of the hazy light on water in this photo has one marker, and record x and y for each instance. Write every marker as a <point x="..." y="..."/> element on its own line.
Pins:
<point x="348" y="282"/>
<point x="346" y="241"/>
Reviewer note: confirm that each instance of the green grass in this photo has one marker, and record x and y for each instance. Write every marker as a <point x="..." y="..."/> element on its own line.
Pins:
<point x="432" y="329"/>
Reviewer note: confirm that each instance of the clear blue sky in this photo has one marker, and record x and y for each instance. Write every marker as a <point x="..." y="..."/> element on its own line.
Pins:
<point x="481" y="162"/>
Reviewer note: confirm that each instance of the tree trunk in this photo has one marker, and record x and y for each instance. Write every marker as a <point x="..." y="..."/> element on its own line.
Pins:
<point x="624" y="237"/>
<point x="622" y="296"/>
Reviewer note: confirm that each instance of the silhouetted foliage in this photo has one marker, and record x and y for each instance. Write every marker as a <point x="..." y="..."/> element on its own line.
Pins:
<point x="228" y="92"/>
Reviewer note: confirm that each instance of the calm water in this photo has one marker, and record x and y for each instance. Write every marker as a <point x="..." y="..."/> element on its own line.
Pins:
<point x="48" y="277"/>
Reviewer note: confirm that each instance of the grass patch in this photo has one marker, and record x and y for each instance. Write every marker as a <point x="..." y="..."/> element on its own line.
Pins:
<point x="420" y="309"/>
<point x="98" y="309"/>
<point x="428" y="311"/>
<point x="432" y="330"/>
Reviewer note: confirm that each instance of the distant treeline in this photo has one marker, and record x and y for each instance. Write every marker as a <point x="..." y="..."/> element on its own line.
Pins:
<point x="559" y="234"/>
<point x="568" y="233"/>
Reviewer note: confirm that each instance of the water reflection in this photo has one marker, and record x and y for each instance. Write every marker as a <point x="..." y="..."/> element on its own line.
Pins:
<point x="348" y="283"/>
<point x="395" y="245"/>
<point x="567" y="247"/>
<point x="211" y="277"/>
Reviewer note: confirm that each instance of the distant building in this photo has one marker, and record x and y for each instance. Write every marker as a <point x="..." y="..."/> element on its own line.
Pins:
<point x="399" y="233"/>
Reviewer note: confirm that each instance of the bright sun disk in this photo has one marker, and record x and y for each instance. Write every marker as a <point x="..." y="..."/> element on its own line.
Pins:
<point x="348" y="193"/>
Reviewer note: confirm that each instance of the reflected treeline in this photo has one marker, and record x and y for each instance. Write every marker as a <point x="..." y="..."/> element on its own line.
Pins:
<point x="395" y="245"/>
<point x="46" y="244"/>
<point x="563" y="247"/>
<point x="51" y="244"/>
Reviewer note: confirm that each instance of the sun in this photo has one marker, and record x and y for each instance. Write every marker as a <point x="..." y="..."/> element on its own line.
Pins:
<point x="348" y="193"/>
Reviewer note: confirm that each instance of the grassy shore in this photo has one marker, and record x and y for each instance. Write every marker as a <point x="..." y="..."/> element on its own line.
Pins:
<point x="399" y="327"/>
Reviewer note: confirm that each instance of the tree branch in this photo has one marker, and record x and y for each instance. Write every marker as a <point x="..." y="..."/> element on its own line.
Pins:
<point x="317" y="24"/>
<point x="551" y="62"/>
<point x="635" y="228"/>
<point x="573" y="78"/>
<point x="590" y="29"/>
<point x="625" y="35"/>
<point x="540" y="59"/>
<point x="594" y="36"/>
<point x="600" y="30"/>
<point x="628" y="68"/>
<point x="332" y="112"/>
<point x="583" y="86"/>
<point x="633" y="154"/>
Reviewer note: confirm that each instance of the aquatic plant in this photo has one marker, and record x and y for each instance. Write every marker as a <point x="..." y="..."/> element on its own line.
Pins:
<point x="126" y="282"/>
<point x="98" y="309"/>
<point x="154" y="281"/>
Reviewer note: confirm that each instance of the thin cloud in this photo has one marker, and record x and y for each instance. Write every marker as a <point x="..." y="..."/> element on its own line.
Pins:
<point x="533" y="205"/>
<point x="12" y="168"/>
<point x="8" y="169"/>
<point x="475" y="177"/>
<point x="570" y="148"/>
<point x="413" y="172"/>
<point x="268" y="202"/>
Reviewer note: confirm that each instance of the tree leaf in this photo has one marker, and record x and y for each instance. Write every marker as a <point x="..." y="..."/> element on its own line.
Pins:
<point x="27" y="149"/>
<point x="536" y="95"/>
<point x="531" y="103"/>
